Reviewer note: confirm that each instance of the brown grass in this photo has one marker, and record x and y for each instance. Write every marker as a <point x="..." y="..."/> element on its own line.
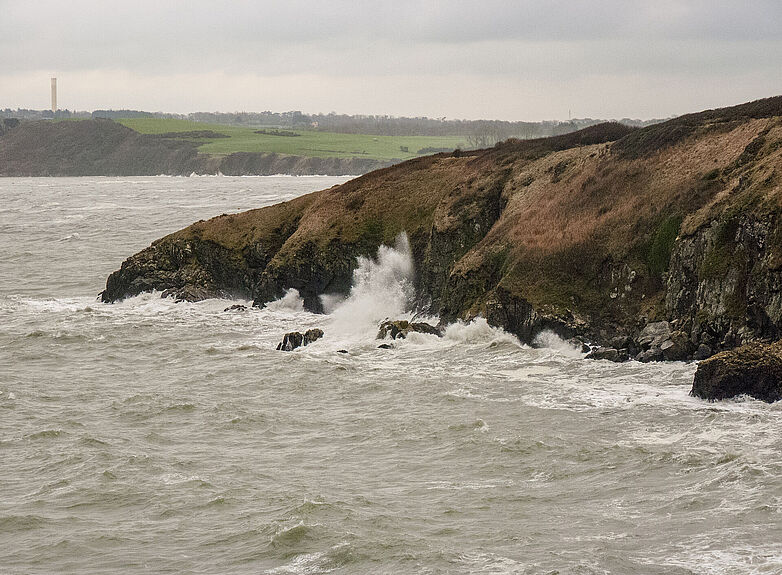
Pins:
<point x="575" y="207"/>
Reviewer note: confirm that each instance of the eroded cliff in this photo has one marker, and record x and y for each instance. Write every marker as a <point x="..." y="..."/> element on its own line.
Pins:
<point x="597" y="234"/>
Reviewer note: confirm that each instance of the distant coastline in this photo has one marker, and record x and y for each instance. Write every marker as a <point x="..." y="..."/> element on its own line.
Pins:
<point x="107" y="148"/>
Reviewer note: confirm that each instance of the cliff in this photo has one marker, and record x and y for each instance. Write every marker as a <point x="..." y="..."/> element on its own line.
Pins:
<point x="602" y="234"/>
<point x="106" y="148"/>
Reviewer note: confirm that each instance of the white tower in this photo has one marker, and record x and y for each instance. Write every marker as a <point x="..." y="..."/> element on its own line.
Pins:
<point x="54" y="95"/>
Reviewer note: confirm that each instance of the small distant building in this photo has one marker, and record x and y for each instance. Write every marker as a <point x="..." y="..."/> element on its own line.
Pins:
<point x="54" y="95"/>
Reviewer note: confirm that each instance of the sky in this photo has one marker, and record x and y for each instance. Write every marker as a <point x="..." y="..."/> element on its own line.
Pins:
<point x="478" y="59"/>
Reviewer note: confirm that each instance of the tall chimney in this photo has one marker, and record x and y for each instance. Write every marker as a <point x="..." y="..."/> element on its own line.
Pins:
<point x="54" y="95"/>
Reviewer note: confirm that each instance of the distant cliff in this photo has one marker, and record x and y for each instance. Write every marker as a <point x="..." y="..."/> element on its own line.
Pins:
<point x="105" y="148"/>
<point x="668" y="234"/>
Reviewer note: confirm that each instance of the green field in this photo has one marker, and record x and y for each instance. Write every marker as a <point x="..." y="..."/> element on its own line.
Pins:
<point x="307" y="143"/>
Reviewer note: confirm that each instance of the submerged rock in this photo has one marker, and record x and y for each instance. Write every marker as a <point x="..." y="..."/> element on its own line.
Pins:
<point x="754" y="370"/>
<point x="386" y="346"/>
<point x="236" y="307"/>
<point x="400" y="328"/>
<point x="609" y="353"/>
<point x="296" y="339"/>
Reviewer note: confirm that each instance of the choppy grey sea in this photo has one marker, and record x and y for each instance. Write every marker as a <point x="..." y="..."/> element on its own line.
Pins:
<point x="153" y="437"/>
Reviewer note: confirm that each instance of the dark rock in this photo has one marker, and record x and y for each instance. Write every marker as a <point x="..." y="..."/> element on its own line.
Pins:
<point x="725" y="278"/>
<point x="312" y="335"/>
<point x="754" y="370"/>
<point x="342" y="351"/>
<point x="654" y="334"/>
<point x="290" y="341"/>
<point x="236" y="307"/>
<point x="654" y="354"/>
<point x="703" y="352"/>
<point x="400" y="328"/>
<point x="609" y="353"/>
<point x="296" y="339"/>
<point x="620" y="341"/>
<point x="386" y="346"/>
<point x="678" y="348"/>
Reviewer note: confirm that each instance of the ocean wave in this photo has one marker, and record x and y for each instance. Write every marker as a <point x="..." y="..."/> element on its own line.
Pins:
<point x="45" y="434"/>
<point x="291" y="301"/>
<point x="337" y="557"/>
<point x="478" y="331"/>
<point x="293" y="535"/>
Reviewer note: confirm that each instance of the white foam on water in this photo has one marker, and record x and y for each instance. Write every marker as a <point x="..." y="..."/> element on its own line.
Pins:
<point x="177" y="478"/>
<point x="51" y="305"/>
<point x="755" y="560"/>
<point x="311" y="563"/>
<point x="291" y="301"/>
<point x="478" y="331"/>
<point x="480" y="562"/>
<point x="547" y="339"/>
<point x="382" y="288"/>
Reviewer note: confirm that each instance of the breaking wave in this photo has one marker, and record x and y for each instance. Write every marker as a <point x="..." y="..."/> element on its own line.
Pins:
<point x="382" y="288"/>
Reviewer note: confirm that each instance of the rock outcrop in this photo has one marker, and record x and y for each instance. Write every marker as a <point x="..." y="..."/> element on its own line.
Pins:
<point x="609" y="354"/>
<point x="296" y="339"/>
<point x="400" y="329"/>
<point x="662" y="241"/>
<point x="754" y="370"/>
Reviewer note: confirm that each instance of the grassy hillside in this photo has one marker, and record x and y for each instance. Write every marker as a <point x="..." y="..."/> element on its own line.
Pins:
<point x="597" y="232"/>
<point x="304" y="143"/>
<point x="103" y="147"/>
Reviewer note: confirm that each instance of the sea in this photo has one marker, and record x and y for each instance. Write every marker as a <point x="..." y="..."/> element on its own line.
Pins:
<point x="149" y="436"/>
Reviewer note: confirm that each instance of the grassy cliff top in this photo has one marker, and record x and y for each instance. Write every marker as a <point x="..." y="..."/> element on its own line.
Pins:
<point x="292" y="142"/>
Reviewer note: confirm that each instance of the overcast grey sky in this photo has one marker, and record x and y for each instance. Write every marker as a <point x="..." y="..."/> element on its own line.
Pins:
<point x="513" y="60"/>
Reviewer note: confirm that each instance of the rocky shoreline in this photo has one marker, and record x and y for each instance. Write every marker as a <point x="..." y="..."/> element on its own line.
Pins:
<point x="657" y="244"/>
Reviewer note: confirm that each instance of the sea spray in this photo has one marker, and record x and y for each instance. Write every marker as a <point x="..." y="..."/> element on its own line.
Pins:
<point x="478" y="331"/>
<point x="291" y="301"/>
<point x="547" y="339"/>
<point x="382" y="288"/>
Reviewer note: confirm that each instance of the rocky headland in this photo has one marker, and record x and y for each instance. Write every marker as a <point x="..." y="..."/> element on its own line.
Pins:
<point x="661" y="243"/>
<point x="105" y="148"/>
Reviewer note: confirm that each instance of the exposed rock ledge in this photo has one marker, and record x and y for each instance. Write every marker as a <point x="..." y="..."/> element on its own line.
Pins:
<point x="754" y="370"/>
<point x="664" y="242"/>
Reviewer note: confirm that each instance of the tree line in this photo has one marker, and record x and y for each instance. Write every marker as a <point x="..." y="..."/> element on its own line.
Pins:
<point x="476" y="133"/>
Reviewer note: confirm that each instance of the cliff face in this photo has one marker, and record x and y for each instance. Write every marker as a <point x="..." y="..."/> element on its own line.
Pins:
<point x="106" y="148"/>
<point x="596" y="234"/>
